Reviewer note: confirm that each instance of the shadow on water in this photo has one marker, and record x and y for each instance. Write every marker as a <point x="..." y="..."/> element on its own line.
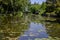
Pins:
<point x="36" y="30"/>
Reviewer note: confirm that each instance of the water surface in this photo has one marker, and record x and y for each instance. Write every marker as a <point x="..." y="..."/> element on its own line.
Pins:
<point x="36" y="30"/>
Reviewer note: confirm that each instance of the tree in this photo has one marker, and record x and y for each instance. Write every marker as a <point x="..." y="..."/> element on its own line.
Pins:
<point x="53" y="9"/>
<point x="43" y="7"/>
<point x="11" y="6"/>
<point x="12" y="25"/>
<point x="53" y="6"/>
<point x="35" y="8"/>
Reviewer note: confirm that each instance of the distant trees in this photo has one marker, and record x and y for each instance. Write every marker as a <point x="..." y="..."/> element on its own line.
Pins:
<point x="34" y="8"/>
<point x="38" y="8"/>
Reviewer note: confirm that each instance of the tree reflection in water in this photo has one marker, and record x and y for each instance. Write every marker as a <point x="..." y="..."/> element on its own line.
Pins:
<point x="12" y="27"/>
<point x="15" y="27"/>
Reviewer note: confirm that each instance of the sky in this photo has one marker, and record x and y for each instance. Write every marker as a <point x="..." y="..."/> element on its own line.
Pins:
<point x="37" y="1"/>
<point x="35" y="32"/>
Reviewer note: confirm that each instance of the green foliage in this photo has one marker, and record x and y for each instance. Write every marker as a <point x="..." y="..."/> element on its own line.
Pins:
<point x="12" y="24"/>
<point x="43" y="8"/>
<point x="53" y="6"/>
<point x="38" y="7"/>
<point x="35" y="7"/>
<point x="53" y="10"/>
<point x="12" y="6"/>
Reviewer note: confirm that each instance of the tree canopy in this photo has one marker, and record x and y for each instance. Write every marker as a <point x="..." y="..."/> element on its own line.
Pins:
<point x="11" y="6"/>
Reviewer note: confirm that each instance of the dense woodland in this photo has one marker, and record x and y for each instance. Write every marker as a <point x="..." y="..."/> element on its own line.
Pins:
<point x="53" y="10"/>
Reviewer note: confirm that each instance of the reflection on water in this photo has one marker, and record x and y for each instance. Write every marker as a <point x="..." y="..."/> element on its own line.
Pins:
<point x="41" y="30"/>
<point x="30" y="27"/>
<point x="36" y="30"/>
